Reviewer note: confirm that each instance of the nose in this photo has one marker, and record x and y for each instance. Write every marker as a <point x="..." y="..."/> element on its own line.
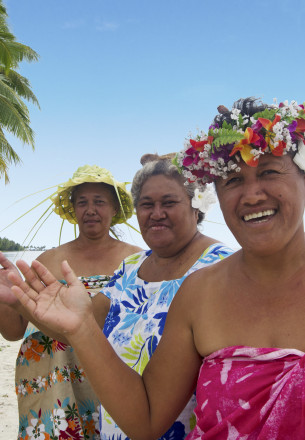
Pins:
<point x="157" y="212"/>
<point x="91" y="210"/>
<point x="253" y="192"/>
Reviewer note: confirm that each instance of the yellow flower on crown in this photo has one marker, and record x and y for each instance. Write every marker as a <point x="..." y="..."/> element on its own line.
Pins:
<point x="245" y="149"/>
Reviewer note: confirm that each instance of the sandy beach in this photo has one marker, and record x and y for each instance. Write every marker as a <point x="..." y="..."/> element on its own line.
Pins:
<point x="8" y="355"/>
<point x="8" y="398"/>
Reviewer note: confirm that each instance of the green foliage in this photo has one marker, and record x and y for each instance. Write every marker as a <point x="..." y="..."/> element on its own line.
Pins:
<point x="14" y="88"/>
<point x="302" y="114"/>
<point x="9" y="245"/>
<point x="175" y="162"/>
<point x="225" y="124"/>
<point x="240" y="120"/>
<point x="268" y="113"/>
<point x="226" y="136"/>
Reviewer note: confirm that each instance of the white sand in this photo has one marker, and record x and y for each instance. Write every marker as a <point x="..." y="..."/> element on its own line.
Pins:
<point x="8" y="398"/>
<point x="8" y="355"/>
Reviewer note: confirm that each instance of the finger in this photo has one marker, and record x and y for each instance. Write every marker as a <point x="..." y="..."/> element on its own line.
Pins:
<point x="16" y="280"/>
<point x="30" y="276"/>
<point x="43" y="273"/>
<point x="5" y="263"/>
<point x="69" y="275"/>
<point x="36" y="276"/>
<point x="28" y="303"/>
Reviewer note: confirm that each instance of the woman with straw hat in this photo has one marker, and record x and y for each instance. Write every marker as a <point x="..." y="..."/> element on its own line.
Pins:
<point x="50" y="382"/>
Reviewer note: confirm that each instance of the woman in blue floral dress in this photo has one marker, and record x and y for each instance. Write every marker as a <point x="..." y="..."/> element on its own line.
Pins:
<point x="144" y="286"/>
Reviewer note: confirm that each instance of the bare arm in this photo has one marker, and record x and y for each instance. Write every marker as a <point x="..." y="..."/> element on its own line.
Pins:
<point x="12" y="323"/>
<point x="100" y="306"/>
<point x="159" y="396"/>
<point x="14" y="317"/>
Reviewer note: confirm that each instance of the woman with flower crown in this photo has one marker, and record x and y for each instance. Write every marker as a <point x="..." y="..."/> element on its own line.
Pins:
<point x="235" y="330"/>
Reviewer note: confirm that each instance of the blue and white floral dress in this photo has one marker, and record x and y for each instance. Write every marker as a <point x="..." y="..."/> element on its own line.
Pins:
<point x="135" y="324"/>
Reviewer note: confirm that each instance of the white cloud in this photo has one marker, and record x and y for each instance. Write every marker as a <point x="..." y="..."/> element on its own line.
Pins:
<point x="106" y="26"/>
<point x="74" y="24"/>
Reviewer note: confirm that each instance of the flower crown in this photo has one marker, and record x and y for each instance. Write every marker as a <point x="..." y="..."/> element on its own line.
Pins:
<point x="275" y="130"/>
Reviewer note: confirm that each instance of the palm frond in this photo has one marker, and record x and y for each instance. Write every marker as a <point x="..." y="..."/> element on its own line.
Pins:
<point x="4" y="170"/>
<point x="7" y="153"/>
<point x="19" y="84"/>
<point x="20" y="52"/>
<point x="14" y="115"/>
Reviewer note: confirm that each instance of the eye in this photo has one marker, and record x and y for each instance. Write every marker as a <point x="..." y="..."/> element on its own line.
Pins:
<point x="232" y="180"/>
<point x="269" y="172"/>
<point x="169" y="203"/>
<point x="146" y="205"/>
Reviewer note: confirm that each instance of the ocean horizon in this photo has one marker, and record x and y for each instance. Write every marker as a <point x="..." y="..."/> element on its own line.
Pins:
<point x="27" y="256"/>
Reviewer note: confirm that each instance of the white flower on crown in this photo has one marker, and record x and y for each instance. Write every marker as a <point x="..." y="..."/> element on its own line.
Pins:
<point x="202" y="200"/>
<point x="299" y="158"/>
<point x="235" y="113"/>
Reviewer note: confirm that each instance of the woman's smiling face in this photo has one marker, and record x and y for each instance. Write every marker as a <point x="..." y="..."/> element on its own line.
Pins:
<point x="166" y="219"/>
<point x="263" y="206"/>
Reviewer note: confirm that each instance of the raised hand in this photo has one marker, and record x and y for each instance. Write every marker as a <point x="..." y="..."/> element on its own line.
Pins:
<point x="6" y="295"/>
<point x="60" y="308"/>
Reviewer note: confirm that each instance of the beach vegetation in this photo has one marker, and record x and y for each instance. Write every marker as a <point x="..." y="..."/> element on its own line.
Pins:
<point x="7" y="245"/>
<point x="15" y="89"/>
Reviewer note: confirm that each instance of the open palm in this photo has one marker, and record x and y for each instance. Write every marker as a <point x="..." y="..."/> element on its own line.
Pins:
<point x="62" y="309"/>
<point x="6" y="295"/>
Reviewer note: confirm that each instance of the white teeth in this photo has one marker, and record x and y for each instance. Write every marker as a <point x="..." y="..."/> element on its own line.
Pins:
<point x="259" y="214"/>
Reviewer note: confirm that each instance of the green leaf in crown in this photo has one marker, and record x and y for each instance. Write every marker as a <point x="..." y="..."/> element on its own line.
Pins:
<point x="225" y="136"/>
<point x="268" y="113"/>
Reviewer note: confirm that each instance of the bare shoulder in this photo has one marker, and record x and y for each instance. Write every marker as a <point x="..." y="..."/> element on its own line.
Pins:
<point x="202" y="299"/>
<point x="48" y="255"/>
<point x="208" y="280"/>
<point x="127" y="249"/>
<point x="213" y="272"/>
<point x="209" y="241"/>
<point x="56" y="252"/>
<point x="205" y="241"/>
<point x="53" y="258"/>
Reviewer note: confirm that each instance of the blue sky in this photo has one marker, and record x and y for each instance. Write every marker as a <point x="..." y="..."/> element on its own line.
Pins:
<point x="120" y="78"/>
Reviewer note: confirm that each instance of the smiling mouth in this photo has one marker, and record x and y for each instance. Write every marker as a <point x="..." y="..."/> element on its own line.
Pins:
<point x="158" y="227"/>
<point x="259" y="216"/>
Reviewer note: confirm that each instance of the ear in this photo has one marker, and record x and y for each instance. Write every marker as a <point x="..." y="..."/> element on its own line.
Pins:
<point x="115" y="210"/>
<point x="196" y="214"/>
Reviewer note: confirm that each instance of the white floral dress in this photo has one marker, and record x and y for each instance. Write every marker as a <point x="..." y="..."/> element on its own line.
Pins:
<point x="135" y="324"/>
<point x="55" y="400"/>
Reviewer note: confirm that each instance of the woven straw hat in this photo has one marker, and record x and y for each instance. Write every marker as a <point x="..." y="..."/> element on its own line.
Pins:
<point x="91" y="174"/>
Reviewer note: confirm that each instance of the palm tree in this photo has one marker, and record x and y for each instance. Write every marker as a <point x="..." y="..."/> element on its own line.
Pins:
<point x="14" y="114"/>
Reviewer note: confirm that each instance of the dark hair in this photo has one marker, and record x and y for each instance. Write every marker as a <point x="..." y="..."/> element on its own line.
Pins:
<point x="166" y="168"/>
<point x="247" y="106"/>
